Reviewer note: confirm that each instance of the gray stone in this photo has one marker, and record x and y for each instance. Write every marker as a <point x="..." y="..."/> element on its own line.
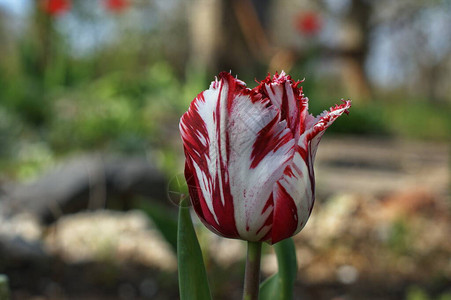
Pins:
<point x="86" y="182"/>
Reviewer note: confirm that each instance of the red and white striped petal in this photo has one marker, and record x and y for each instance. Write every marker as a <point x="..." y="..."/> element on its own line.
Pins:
<point x="237" y="146"/>
<point x="314" y="133"/>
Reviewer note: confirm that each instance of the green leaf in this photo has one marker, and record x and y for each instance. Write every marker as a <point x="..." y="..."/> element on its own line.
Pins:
<point x="280" y="285"/>
<point x="193" y="284"/>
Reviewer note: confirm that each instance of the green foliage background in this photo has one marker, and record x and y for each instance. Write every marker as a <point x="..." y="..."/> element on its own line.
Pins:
<point x="127" y="96"/>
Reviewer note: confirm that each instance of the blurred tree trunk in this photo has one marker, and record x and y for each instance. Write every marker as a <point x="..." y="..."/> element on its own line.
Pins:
<point x="228" y="34"/>
<point x="41" y="44"/>
<point x="205" y="33"/>
<point x="3" y="35"/>
<point x="354" y="49"/>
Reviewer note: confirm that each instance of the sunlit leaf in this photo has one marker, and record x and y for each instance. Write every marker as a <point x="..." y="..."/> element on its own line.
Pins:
<point x="193" y="284"/>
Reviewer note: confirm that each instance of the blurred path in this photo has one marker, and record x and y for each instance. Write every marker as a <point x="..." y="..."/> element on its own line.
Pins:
<point x="381" y="166"/>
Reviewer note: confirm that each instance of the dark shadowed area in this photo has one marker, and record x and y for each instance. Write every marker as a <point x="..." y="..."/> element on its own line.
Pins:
<point x="91" y="161"/>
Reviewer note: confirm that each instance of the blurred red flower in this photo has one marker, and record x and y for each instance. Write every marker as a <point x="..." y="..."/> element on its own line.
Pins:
<point x="308" y="23"/>
<point x="55" y="7"/>
<point x="116" y="5"/>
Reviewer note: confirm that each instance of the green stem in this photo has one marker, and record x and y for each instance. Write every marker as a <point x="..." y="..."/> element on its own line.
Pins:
<point x="252" y="273"/>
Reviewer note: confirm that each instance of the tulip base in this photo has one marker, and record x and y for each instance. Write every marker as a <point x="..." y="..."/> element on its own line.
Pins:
<point x="252" y="273"/>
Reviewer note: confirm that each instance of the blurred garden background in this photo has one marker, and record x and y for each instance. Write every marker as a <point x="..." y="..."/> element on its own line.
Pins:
<point x="91" y="161"/>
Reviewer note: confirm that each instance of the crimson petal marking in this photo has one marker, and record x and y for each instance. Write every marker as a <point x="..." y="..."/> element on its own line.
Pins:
<point x="322" y="122"/>
<point x="297" y="187"/>
<point x="200" y="206"/>
<point x="294" y="200"/>
<point x="203" y="151"/>
<point x="327" y="117"/>
<point x="285" y="215"/>
<point x="264" y="146"/>
<point x="288" y="98"/>
<point x="282" y="96"/>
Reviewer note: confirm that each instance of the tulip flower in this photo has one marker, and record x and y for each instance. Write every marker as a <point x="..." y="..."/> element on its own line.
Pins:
<point x="116" y="5"/>
<point x="308" y="23"/>
<point x="249" y="157"/>
<point x="249" y="168"/>
<point x="55" y="7"/>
